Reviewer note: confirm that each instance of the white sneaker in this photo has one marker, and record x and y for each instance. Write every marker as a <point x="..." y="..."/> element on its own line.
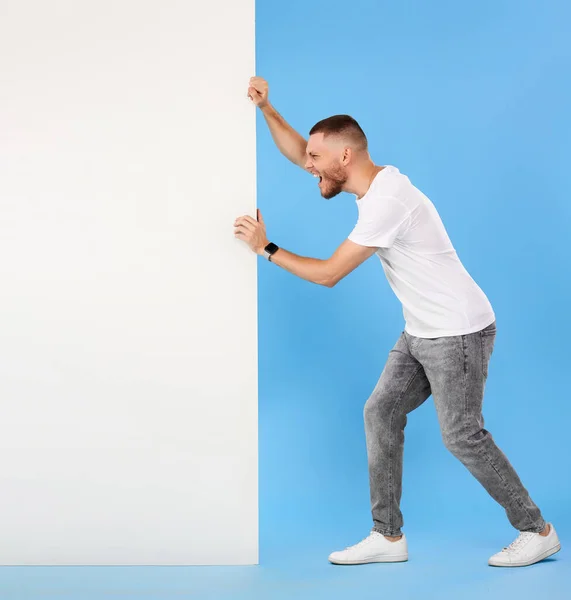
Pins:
<point x="374" y="548"/>
<point x="527" y="549"/>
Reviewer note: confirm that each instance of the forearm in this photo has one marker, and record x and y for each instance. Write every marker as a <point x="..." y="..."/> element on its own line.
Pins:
<point x="311" y="269"/>
<point x="289" y="142"/>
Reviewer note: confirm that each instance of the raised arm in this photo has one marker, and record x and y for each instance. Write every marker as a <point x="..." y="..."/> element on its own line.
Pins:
<point x="289" y="142"/>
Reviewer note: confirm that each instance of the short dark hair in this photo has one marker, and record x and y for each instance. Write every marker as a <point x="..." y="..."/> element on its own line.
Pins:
<point x="343" y="125"/>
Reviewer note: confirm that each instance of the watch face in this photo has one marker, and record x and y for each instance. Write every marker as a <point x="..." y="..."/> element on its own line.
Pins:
<point x="271" y="248"/>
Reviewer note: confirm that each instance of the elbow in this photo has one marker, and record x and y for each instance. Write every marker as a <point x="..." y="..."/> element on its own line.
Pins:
<point x="330" y="277"/>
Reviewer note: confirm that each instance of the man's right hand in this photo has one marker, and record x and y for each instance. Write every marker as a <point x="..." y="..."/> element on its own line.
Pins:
<point x="258" y="91"/>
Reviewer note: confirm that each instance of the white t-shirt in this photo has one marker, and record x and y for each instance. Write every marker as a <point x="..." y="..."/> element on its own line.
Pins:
<point x="438" y="296"/>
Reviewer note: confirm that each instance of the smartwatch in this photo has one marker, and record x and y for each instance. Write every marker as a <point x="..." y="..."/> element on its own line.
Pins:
<point x="269" y="250"/>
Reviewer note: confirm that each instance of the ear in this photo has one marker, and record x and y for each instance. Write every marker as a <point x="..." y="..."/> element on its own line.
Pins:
<point x="347" y="156"/>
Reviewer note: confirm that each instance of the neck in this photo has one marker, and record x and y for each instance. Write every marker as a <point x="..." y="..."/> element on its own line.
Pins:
<point x="361" y="180"/>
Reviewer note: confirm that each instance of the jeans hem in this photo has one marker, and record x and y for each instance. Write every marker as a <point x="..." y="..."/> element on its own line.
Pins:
<point x="536" y="529"/>
<point x="388" y="533"/>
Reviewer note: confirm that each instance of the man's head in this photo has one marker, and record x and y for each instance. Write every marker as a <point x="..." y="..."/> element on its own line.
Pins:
<point x="336" y="146"/>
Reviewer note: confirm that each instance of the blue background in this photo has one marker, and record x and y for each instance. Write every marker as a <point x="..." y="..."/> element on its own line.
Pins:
<point x="471" y="100"/>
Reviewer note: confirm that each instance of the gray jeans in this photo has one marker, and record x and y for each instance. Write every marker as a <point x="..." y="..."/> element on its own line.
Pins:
<point x="454" y="370"/>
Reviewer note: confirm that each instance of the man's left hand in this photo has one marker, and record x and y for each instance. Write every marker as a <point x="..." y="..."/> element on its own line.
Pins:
<point x="252" y="232"/>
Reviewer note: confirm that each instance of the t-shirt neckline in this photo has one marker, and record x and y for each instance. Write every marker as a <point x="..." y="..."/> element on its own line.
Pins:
<point x="375" y="178"/>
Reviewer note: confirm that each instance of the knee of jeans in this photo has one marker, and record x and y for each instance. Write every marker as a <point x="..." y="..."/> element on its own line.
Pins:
<point x="454" y="443"/>
<point x="370" y="408"/>
<point x="379" y="412"/>
<point x="373" y="408"/>
<point x="457" y="441"/>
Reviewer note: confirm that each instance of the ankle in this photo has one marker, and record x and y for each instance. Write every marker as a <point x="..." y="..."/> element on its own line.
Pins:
<point x="546" y="531"/>
<point x="393" y="539"/>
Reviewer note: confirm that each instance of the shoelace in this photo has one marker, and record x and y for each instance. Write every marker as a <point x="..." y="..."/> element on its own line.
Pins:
<point x="368" y="539"/>
<point x="520" y="541"/>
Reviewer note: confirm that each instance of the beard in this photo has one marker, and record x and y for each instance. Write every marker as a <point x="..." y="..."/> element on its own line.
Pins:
<point x="332" y="182"/>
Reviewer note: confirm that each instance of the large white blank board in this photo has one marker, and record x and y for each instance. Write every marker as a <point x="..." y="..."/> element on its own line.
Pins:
<point x="128" y="317"/>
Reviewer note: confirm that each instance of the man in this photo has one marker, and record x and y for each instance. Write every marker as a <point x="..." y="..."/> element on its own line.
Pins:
<point x="445" y="347"/>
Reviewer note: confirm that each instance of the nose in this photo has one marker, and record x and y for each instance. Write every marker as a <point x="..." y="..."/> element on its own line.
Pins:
<point x="308" y="163"/>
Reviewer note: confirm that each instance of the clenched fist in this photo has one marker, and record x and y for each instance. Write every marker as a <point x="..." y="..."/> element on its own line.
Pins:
<point x="258" y="91"/>
<point x="252" y="232"/>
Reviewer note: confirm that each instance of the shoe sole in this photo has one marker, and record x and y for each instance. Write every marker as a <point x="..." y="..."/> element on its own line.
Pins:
<point x="541" y="557"/>
<point x="379" y="559"/>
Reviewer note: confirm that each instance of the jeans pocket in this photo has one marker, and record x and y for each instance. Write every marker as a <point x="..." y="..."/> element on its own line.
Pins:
<point x="489" y="330"/>
<point x="487" y="342"/>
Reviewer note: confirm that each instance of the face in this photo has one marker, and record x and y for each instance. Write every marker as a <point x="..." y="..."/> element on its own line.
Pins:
<point x="324" y="158"/>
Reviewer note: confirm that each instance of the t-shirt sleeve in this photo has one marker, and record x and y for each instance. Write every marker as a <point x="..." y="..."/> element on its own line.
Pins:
<point x="381" y="221"/>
